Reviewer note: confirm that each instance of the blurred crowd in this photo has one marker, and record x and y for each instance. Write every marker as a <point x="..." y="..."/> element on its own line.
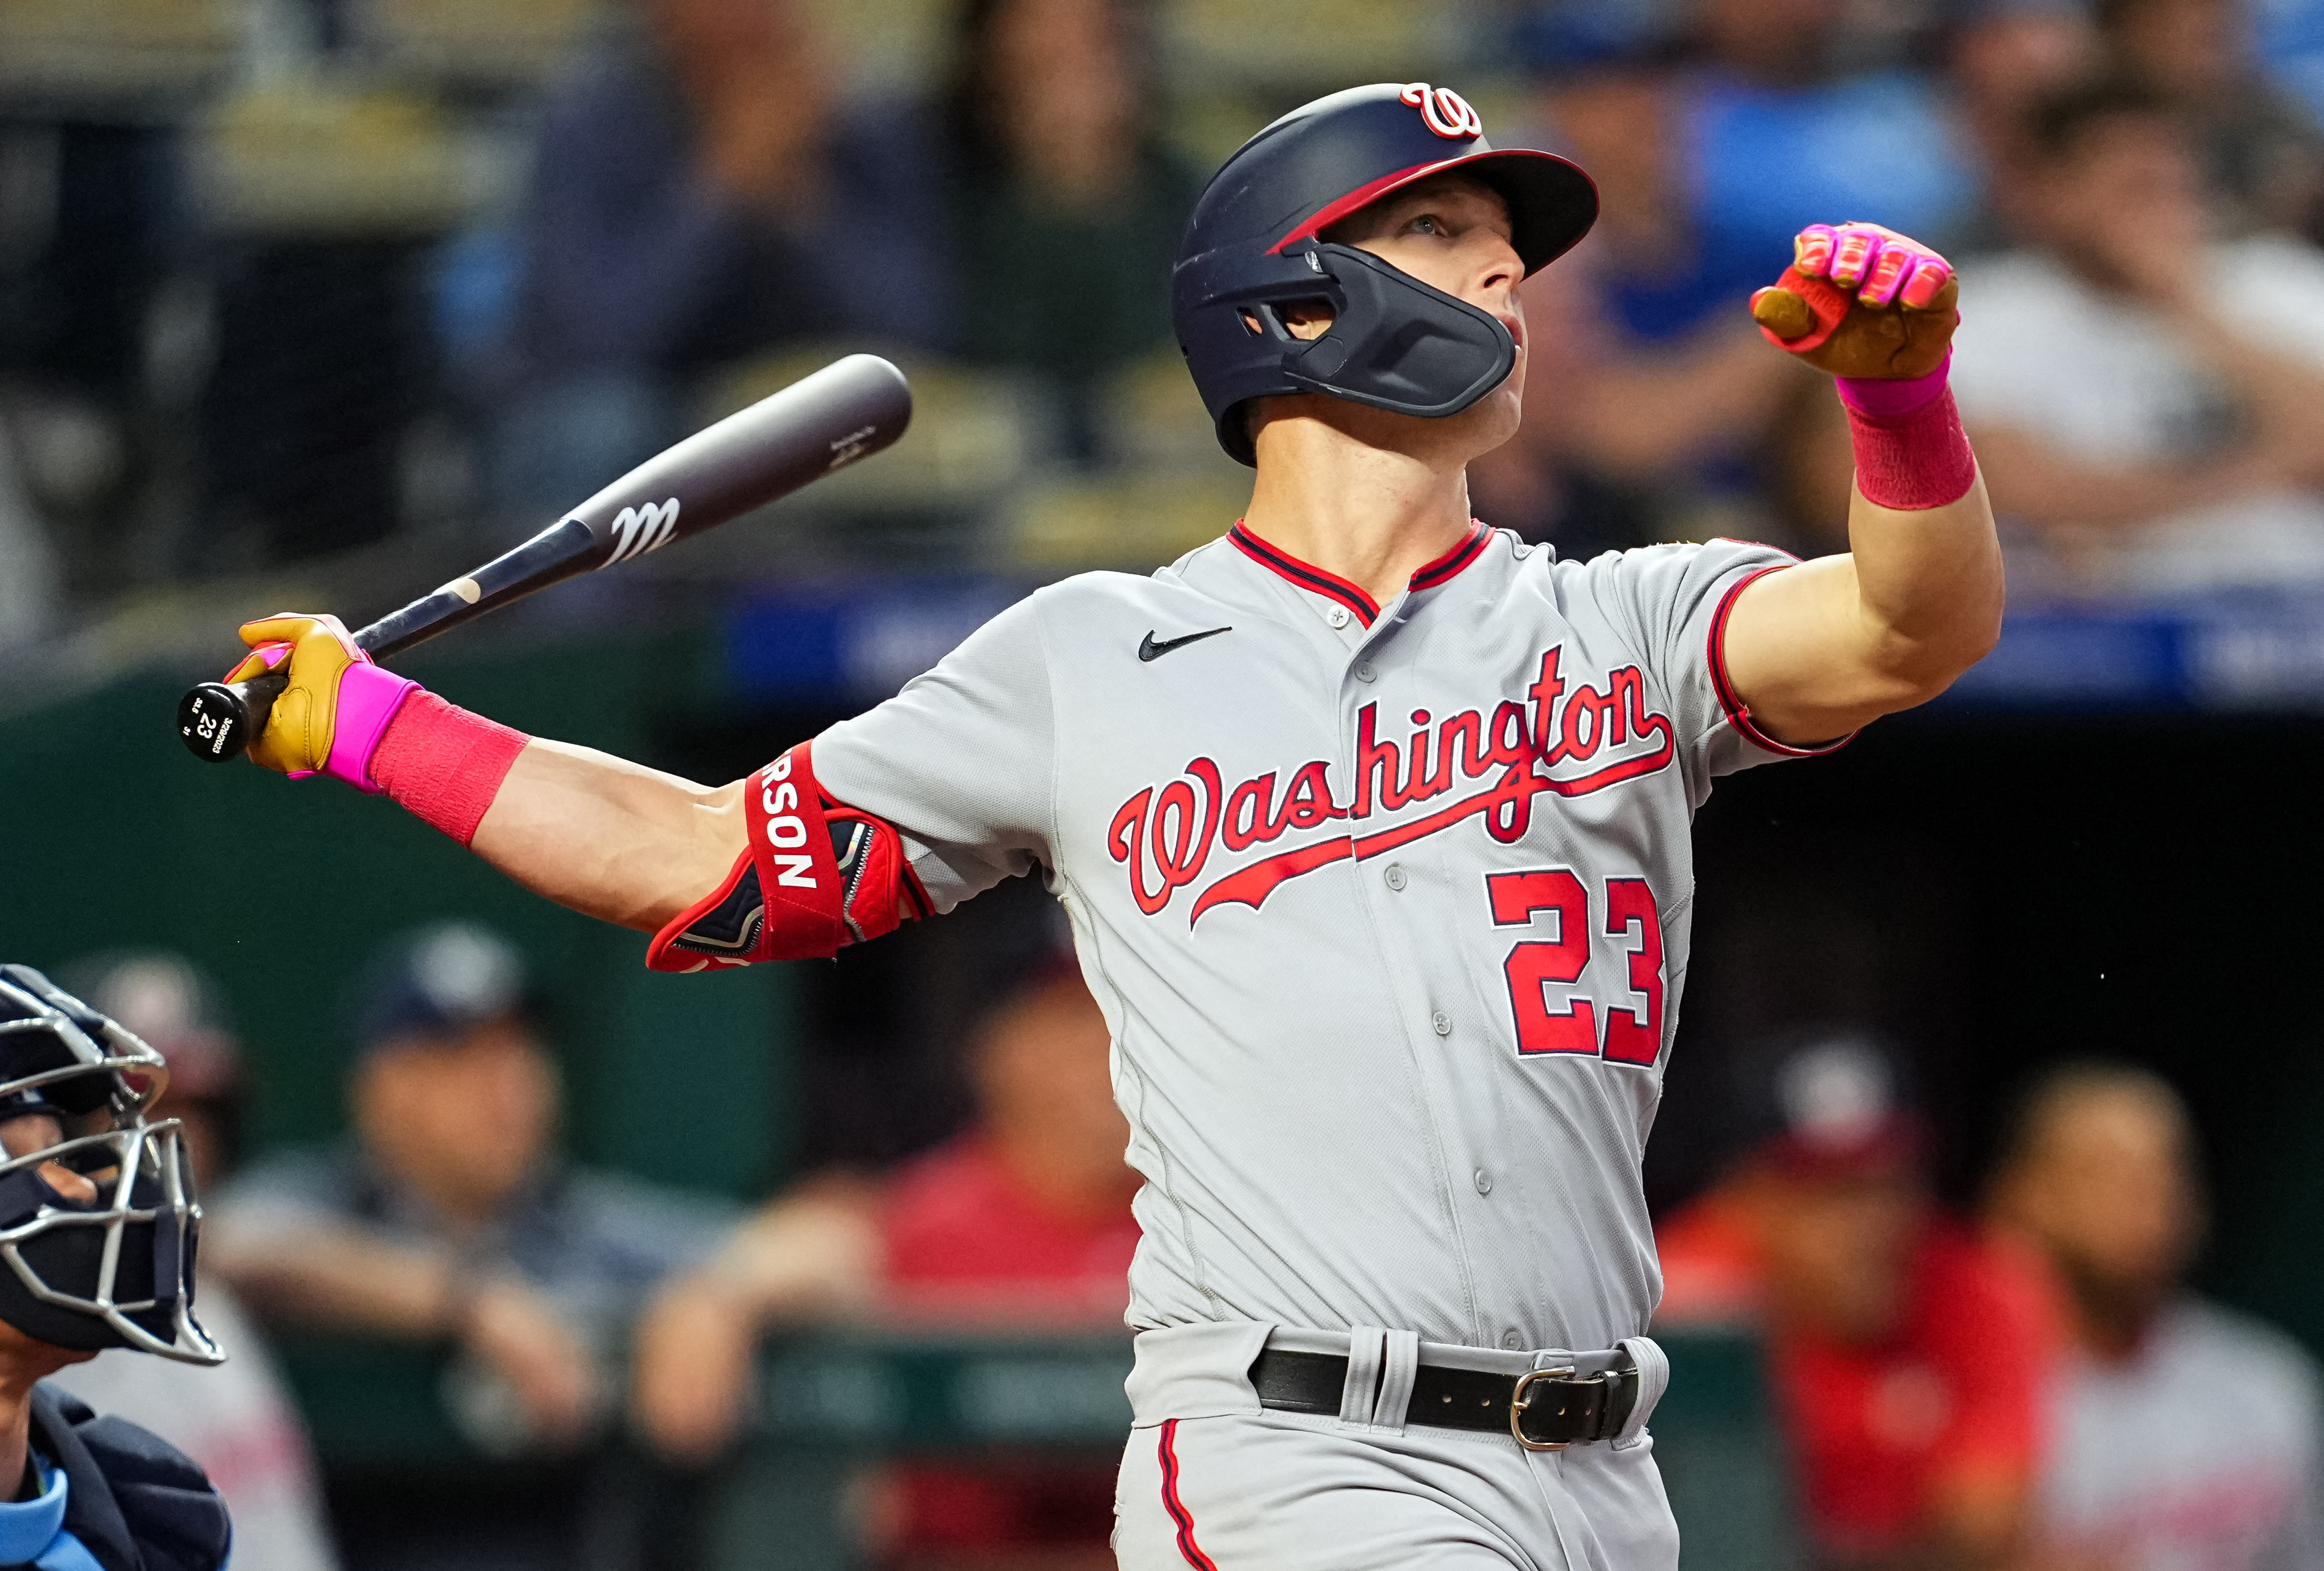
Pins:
<point x="2026" y="1385"/>
<point x="333" y="291"/>
<point x="347" y="280"/>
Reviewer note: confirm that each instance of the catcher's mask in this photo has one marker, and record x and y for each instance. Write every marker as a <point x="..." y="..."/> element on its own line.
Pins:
<point x="97" y="1224"/>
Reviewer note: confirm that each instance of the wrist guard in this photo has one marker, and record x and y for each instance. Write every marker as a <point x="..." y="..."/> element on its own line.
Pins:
<point x="817" y="876"/>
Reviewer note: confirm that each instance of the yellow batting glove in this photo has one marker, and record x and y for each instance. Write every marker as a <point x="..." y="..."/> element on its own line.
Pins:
<point x="330" y="717"/>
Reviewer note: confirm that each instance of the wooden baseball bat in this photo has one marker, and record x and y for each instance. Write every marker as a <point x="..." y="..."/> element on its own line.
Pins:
<point x="847" y="411"/>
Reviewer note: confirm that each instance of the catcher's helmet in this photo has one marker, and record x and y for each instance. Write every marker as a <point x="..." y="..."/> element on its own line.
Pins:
<point x="1253" y="246"/>
<point x="96" y="1228"/>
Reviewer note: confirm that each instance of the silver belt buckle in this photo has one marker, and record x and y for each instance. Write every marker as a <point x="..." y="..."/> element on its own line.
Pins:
<point x="1522" y="1398"/>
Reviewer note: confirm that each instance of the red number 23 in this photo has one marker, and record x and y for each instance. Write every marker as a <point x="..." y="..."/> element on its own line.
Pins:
<point x="1568" y="1022"/>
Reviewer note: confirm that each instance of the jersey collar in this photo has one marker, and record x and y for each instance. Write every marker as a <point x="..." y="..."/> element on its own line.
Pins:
<point x="1331" y="586"/>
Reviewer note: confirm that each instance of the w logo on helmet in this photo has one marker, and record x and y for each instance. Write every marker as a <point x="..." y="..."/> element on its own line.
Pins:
<point x="637" y="530"/>
<point x="1447" y="113"/>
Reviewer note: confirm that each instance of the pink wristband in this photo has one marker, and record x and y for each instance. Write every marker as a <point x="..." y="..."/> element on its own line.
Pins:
<point x="367" y="701"/>
<point x="445" y="765"/>
<point x="1885" y="396"/>
<point x="1913" y="460"/>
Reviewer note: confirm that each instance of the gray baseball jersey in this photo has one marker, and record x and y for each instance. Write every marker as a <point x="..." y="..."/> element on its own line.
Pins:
<point x="1387" y="907"/>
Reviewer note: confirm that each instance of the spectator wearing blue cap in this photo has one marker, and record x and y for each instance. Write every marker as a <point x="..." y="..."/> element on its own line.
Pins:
<point x="448" y="1216"/>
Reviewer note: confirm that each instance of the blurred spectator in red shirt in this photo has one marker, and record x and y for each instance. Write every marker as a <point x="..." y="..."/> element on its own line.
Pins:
<point x="1022" y="1219"/>
<point x="2188" y="1434"/>
<point x="1907" y="1356"/>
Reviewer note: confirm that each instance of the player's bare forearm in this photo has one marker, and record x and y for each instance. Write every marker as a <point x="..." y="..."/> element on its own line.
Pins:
<point x="607" y="838"/>
<point x="1821" y="648"/>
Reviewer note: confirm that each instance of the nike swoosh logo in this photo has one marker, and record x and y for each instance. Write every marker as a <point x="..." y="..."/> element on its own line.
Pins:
<point x="1147" y="649"/>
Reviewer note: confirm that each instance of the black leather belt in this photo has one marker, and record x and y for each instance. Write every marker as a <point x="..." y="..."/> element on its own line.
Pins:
<point x="1545" y="1410"/>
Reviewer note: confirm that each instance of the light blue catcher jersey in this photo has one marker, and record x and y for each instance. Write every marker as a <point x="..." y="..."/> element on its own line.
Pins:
<point x="1387" y="907"/>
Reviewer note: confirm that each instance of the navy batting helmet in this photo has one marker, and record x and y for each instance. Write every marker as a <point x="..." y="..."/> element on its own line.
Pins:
<point x="1254" y="246"/>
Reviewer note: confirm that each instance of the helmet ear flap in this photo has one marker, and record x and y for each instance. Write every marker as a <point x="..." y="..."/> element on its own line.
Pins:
<point x="1400" y="344"/>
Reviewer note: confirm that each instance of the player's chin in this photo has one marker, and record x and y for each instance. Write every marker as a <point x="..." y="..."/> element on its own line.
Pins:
<point x="1494" y="418"/>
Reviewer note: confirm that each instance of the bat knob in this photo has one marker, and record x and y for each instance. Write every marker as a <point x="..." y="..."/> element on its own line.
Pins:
<point x="214" y="721"/>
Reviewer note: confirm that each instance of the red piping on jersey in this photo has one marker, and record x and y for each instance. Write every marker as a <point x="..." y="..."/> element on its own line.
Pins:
<point x="1315" y="579"/>
<point x="1177" y="1506"/>
<point x="1469" y="547"/>
<point x="1453" y="561"/>
<point x="1738" y="713"/>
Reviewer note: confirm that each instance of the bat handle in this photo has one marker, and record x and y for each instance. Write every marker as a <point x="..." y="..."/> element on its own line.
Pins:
<point x="218" y="720"/>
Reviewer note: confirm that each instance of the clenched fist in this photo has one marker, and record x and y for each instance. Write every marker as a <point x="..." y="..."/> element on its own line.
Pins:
<point x="1861" y="301"/>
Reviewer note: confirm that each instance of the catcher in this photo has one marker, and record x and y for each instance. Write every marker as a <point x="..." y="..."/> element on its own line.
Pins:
<point x="98" y="1221"/>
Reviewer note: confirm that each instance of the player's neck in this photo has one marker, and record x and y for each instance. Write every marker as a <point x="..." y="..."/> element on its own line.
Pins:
<point x="23" y="1362"/>
<point x="1370" y="514"/>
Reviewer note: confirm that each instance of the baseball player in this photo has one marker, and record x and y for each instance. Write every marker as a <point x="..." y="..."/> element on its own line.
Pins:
<point x="1372" y="822"/>
<point x="97" y="1222"/>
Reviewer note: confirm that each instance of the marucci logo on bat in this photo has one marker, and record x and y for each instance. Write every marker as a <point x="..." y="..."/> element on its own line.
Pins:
<point x="637" y="530"/>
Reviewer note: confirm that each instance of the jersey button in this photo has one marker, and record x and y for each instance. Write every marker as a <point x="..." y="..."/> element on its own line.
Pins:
<point x="1512" y="1341"/>
<point x="1337" y="615"/>
<point x="1364" y="672"/>
<point x="1442" y="1021"/>
<point x="1393" y="876"/>
<point x="1484" y="1181"/>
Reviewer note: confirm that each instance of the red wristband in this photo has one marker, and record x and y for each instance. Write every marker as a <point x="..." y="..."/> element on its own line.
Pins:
<point x="443" y="764"/>
<point x="1914" y="460"/>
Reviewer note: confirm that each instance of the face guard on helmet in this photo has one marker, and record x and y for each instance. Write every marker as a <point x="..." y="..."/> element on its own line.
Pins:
<point x="1253" y="247"/>
<point x="96" y="1226"/>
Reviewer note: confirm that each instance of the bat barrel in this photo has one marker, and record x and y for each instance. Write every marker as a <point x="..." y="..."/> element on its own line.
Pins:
<point x="850" y="409"/>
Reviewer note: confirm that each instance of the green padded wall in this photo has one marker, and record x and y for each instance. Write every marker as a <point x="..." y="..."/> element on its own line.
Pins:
<point x="114" y="837"/>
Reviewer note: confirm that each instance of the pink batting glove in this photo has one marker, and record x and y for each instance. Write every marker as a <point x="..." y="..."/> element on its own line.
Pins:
<point x="1880" y="264"/>
<point x="1861" y="301"/>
